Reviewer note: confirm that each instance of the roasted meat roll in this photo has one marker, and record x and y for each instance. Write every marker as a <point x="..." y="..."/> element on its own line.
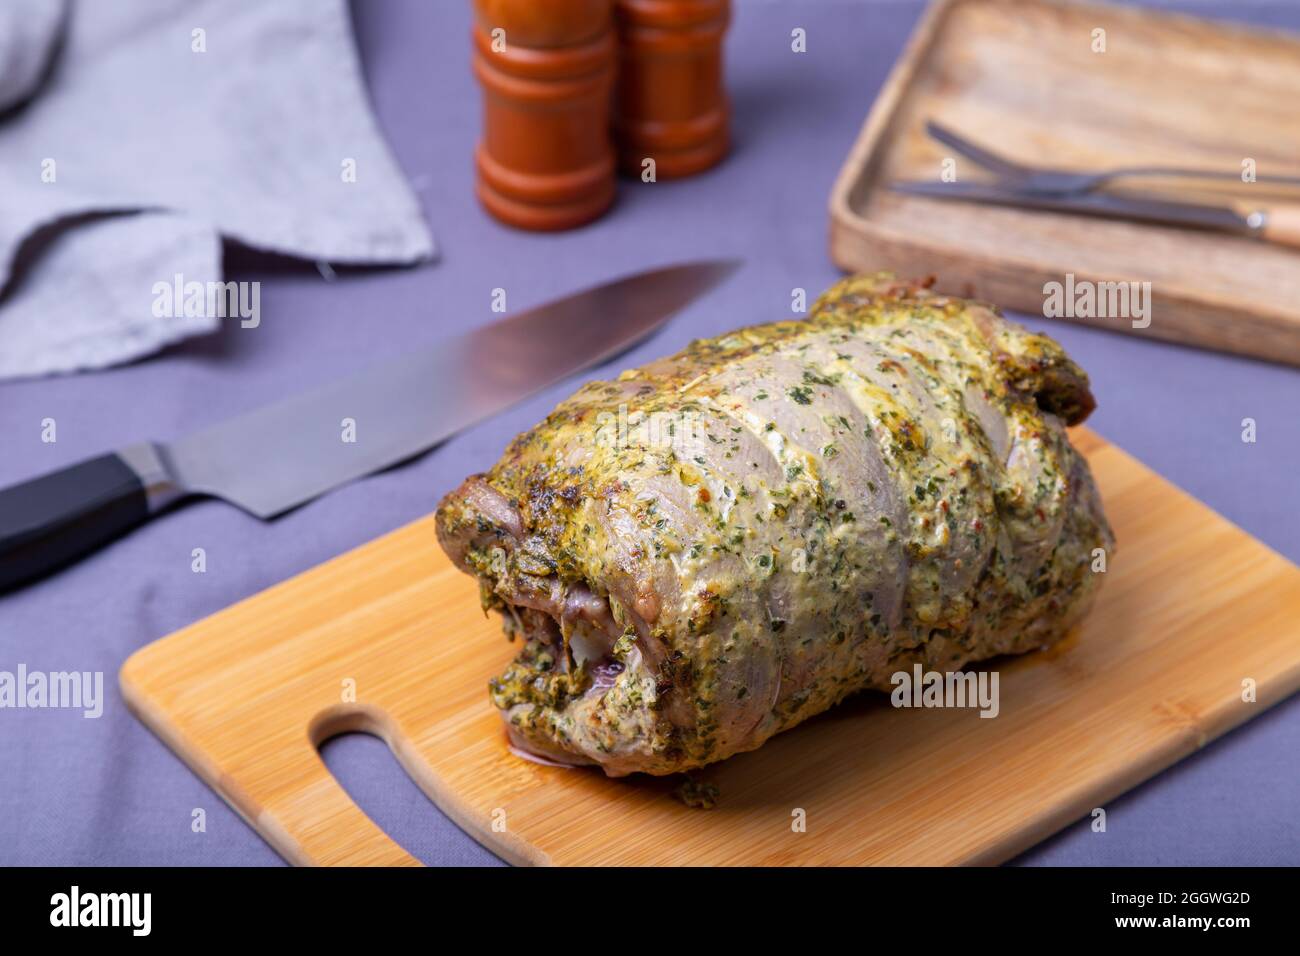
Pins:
<point x="714" y="547"/>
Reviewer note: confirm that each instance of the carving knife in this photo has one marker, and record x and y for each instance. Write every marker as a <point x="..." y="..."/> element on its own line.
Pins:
<point x="275" y="458"/>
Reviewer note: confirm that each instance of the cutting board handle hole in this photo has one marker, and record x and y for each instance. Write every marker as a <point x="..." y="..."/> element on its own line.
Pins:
<point x="347" y="719"/>
<point x="355" y="744"/>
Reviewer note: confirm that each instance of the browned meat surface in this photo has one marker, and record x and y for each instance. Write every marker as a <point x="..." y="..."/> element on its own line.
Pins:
<point x="710" y="549"/>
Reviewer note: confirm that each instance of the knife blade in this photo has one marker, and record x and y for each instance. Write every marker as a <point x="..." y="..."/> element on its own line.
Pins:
<point x="1108" y="205"/>
<point x="275" y="458"/>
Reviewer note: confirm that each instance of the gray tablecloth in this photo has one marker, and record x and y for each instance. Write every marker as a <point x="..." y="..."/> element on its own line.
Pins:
<point x="106" y="791"/>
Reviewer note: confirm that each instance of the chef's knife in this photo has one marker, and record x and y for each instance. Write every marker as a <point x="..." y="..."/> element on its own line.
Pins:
<point x="1278" y="223"/>
<point x="275" y="458"/>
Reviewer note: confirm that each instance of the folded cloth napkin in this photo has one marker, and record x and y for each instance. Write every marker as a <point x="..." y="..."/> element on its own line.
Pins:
<point x="29" y="30"/>
<point x="163" y="125"/>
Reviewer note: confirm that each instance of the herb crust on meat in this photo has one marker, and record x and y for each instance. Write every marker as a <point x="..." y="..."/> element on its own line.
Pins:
<point x="716" y="546"/>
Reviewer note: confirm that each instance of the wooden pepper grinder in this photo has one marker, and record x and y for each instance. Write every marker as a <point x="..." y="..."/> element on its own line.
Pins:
<point x="546" y="160"/>
<point x="670" y="105"/>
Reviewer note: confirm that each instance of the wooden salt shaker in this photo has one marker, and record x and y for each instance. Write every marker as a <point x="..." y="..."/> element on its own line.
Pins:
<point x="670" y="105"/>
<point x="546" y="160"/>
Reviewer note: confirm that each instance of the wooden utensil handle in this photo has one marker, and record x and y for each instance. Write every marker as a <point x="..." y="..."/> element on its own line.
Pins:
<point x="1282" y="224"/>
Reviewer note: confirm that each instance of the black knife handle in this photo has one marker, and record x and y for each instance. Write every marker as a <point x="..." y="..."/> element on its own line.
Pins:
<point x="50" y="520"/>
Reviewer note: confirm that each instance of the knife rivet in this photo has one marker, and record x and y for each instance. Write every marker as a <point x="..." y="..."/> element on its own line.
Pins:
<point x="1255" y="220"/>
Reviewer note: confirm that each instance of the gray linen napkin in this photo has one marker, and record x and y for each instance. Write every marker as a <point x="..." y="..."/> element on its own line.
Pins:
<point x="238" y="118"/>
<point x="29" y="32"/>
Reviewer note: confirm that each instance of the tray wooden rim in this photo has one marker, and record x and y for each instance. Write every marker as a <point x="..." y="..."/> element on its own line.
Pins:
<point x="851" y="230"/>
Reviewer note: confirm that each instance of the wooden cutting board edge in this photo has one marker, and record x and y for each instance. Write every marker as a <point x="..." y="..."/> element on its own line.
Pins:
<point x="1193" y="733"/>
<point x="329" y="722"/>
<point x="1077" y="806"/>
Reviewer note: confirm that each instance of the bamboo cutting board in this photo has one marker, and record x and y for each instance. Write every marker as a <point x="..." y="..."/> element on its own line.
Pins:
<point x="1191" y="608"/>
<point x="1022" y="78"/>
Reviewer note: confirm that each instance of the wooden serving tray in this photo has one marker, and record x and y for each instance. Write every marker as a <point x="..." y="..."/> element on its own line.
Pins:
<point x="1191" y="607"/>
<point x="1020" y="77"/>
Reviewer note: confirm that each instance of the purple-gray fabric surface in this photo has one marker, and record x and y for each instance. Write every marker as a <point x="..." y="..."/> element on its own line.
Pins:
<point x="106" y="791"/>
